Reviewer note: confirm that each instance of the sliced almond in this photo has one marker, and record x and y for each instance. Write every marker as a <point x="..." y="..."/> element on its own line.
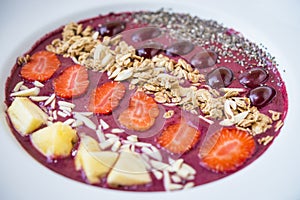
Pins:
<point x="26" y="93"/>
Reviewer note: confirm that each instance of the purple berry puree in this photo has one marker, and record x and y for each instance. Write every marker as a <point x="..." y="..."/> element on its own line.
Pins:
<point x="270" y="95"/>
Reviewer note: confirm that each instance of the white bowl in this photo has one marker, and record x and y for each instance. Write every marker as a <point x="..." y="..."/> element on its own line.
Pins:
<point x="275" y="175"/>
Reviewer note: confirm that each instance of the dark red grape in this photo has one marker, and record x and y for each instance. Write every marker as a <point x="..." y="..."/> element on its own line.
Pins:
<point x="220" y="77"/>
<point x="149" y="50"/>
<point x="254" y="77"/>
<point x="204" y="59"/>
<point x="262" y="95"/>
<point x="146" y="33"/>
<point x="180" y="48"/>
<point x="112" y="28"/>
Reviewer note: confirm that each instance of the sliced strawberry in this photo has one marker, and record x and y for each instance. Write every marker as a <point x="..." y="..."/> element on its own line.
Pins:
<point x="73" y="82"/>
<point x="179" y="138"/>
<point x="106" y="98"/>
<point x="141" y="113"/>
<point x="226" y="150"/>
<point x="41" y="66"/>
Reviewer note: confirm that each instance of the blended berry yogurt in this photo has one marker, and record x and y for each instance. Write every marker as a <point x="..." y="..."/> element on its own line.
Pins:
<point x="145" y="101"/>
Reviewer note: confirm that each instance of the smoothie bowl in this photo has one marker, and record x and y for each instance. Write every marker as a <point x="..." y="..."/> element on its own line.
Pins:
<point x="145" y="101"/>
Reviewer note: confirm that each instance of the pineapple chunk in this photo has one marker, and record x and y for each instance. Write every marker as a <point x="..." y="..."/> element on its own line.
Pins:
<point x="25" y="116"/>
<point x="94" y="162"/>
<point x="55" y="140"/>
<point x="129" y="170"/>
<point x="87" y="144"/>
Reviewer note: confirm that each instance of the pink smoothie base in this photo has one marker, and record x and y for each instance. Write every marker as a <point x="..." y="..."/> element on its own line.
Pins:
<point x="66" y="166"/>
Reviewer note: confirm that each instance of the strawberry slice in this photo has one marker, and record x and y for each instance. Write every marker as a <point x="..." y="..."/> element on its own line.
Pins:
<point x="106" y="98"/>
<point x="141" y="113"/>
<point x="41" y="66"/>
<point x="226" y="150"/>
<point x="179" y="138"/>
<point x="72" y="82"/>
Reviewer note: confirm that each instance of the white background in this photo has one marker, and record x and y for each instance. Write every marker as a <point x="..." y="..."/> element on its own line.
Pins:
<point x="275" y="175"/>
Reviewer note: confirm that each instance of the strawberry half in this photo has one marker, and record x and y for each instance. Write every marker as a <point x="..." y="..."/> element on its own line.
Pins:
<point x="72" y="82"/>
<point x="141" y="113"/>
<point x="106" y="98"/>
<point x="41" y="66"/>
<point x="179" y="138"/>
<point x="226" y="150"/>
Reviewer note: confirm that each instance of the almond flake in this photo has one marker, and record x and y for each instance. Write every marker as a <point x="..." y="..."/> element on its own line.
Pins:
<point x="69" y="121"/>
<point x="64" y="108"/>
<point x="18" y="86"/>
<point x="159" y="165"/>
<point x="109" y="135"/>
<point x="77" y="123"/>
<point x="49" y="100"/>
<point x="158" y="175"/>
<point x="116" y="146"/>
<point x="89" y="123"/>
<point x="117" y="130"/>
<point x="107" y="143"/>
<point x="189" y="185"/>
<point x="62" y="114"/>
<point x="25" y="93"/>
<point x="132" y="138"/>
<point x="52" y="105"/>
<point x="100" y="135"/>
<point x="104" y="124"/>
<point x="175" y="178"/>
<point x="38" y="98"/>
<point x="66" y="104"/>
<point x="143" y="144"/>
<point x="38" y="84"/>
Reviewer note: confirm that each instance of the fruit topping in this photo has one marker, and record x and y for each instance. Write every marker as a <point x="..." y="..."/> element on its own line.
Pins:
<point x="112" y="28"/>
<point x="180" y="48"/>
<point x="26" y="116"/>
<point x="254" y="77"/>
<point x="226" y="150"/>
<point x="128" y="170"/>
<point x="94" y="162"/>
<point x="54" y="141"/>
<point x="106" y="98"/>
<point x="219" y="77"/>
<point x="149" y="50"/>
<point x="72" y="82"/>
<point x="141" y="113"/>
<point x="41" y="66"/>
<point x="204" y="59"/>
<point x="179" y="138"/>
<point x="146" y="33"/>
<point x="262" y="95"/>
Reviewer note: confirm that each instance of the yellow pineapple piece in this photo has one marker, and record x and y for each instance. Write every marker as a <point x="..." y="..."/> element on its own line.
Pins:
<point x="25" y="116"/>
<point x="54" y="141"/>
<point x="129" y="170"/>
<point x="94" y="162"/>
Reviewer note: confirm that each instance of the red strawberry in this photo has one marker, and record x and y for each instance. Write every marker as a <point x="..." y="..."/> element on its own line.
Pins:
<point x="141" y="113"/>
<point x="41" y="66"/>
<point x="106" y="98"/>
<point x="179" y="138"/>
<point x="227" y="150"/>
<point x="73" y="82"/>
